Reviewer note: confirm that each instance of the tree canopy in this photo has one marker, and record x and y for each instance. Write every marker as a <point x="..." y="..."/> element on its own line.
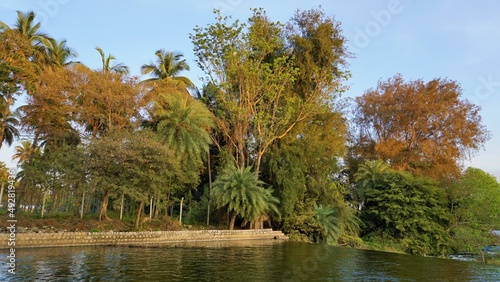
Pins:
<point x="422" y="127"/>
<point x="268" y="124"/>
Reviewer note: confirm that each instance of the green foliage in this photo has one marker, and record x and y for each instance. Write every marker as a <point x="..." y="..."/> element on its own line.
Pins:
<point x="328" y="219"/>
<point x="253" y="73"/>
<point x="300" y="225"/>
<point x="367" y="176"/>
<point x="405" y="209"/>
<point x="184" y="124"/>
<point x="106" y="63"/>
<point x="168" y="65"/>
<point x="136" y="164"/>
<point x="475" y="209"/>
<point x="197" y="213"/>
<point x="320" y="52"/>
<point x="271" y="92"/>
<point x="332" y="223"/>
<point x="242" y="193"/>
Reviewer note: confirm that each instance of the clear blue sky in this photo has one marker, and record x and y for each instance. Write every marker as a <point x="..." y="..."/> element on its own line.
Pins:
<point x="458" y="40"/>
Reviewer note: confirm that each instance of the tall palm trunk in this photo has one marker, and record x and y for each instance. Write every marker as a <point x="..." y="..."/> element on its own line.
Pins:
<point x="232" y="220"/>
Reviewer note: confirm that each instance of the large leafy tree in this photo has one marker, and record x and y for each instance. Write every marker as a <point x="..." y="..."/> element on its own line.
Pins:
<point x="106" y="101"/>
<point x="241" y="192"/>
<point x="135" y="164"/>
<point x="421" y="127"/>
<point x="49" y="114"/>
<point x="475" y="209"/>
<point x="17" y="73"/>
<point x="304" y="173"/>
<point x="252" y="79"/>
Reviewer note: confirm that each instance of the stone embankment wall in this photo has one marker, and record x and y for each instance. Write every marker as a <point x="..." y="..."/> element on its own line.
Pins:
<point x="147" y="238"/>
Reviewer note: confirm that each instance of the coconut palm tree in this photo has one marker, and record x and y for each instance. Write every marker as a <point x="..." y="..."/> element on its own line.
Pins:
<point x="24" y="152"/>
<point x="8" y="124"/>
<point x="167" y="65"/>
<point x="119" y="68"/>
<point x="243" y="194"/>
<point x="8" y="121"/>
<point x="58" y="53"/>
<point x="25" y="26"/>
<point x="367" y="176"/>
<point x="184" y="124"/>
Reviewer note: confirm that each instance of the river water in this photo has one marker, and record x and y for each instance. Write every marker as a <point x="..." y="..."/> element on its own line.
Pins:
<point x="236" y="261"/>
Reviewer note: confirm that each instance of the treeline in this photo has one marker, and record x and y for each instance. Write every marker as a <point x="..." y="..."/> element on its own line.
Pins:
<point x="268" y="126"/>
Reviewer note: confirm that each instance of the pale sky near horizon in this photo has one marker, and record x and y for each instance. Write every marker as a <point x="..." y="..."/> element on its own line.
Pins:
<point x="458" y="40"/>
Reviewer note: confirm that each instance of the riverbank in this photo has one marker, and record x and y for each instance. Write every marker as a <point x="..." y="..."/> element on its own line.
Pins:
<point x="132" y="239"/>
<point x="58" y="231"/>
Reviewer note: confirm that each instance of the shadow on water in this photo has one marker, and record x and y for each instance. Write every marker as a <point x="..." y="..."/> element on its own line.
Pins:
<point x="237" y="261"/>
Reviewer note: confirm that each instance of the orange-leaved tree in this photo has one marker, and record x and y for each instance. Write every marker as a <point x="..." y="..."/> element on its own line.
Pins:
<point x="422" y="127"/>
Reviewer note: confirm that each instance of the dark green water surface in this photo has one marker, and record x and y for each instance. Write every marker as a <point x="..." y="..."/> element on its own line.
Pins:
<point x="236" y="261"/>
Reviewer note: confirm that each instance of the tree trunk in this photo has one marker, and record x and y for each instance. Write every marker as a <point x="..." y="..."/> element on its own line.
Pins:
<point x="258" y="162"/>
<point x="121" y="206"/>
<point x="180" y="213"/>
<point x="55" y="198"/>
<point x="209" y="189"/>
<point x="83" y="205"/>
<point x="104" y="207"/>
<point x="233" y="219"/>
<point x="138" y="218"/>
<point x="151" y="208"/>
<point x="157" y="204"/>
<point x="43" y="203"/>
<point x="1" y="194"/>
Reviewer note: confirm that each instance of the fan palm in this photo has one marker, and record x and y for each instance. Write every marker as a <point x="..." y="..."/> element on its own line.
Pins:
<point x="367" y="176"/>
<point x="243" y="194"/>
<point x="168" y="65"/>
<point x="329" y="222"/>
<point x="184" y="124"/>
<point x="106" y="64"/>
<point x="335" y="223"/>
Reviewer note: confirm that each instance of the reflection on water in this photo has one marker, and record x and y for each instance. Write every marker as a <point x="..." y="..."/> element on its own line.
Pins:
<point x="237" y="261"/>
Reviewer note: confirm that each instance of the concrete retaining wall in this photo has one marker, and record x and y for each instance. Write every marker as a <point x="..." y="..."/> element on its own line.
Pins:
<point x="148" y="238"/>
